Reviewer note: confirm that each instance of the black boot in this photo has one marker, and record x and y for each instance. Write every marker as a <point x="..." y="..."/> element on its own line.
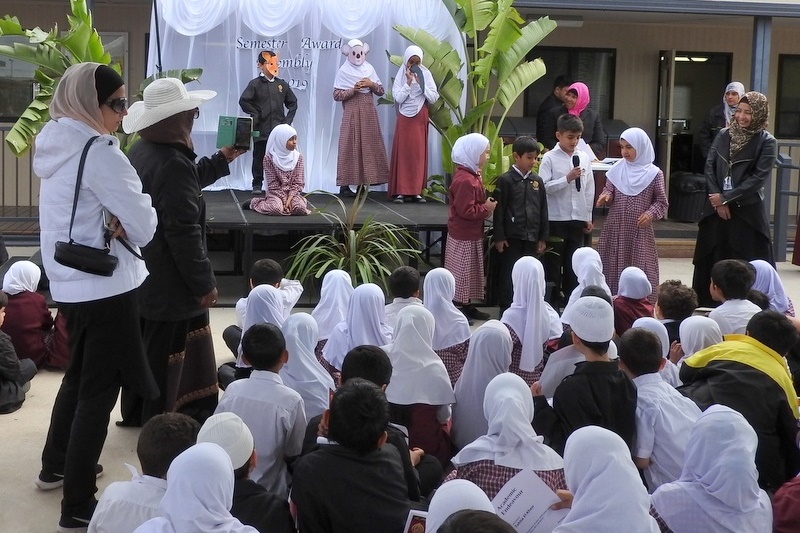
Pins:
<point x="346" y="192"/>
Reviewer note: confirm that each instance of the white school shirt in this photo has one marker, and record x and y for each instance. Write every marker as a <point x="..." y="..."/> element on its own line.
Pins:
<point x="276" y="417"/>
<point x="126" y="505"/>
<point x="291" y="290"/>
<point x="664" y="419"/>
<point x="564" y="202"/>
<point x="393" y="308"/>
<point x="732" y="316"/>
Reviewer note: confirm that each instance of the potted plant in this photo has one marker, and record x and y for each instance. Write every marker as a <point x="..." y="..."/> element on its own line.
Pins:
<point x="369" y="250"/>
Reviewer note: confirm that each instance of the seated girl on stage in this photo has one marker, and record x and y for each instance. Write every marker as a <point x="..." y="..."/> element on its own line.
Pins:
<point x="284" y="174"/>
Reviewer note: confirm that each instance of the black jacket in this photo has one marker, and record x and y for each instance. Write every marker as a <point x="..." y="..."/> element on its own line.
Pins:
<point x="593" y="132"/>
<point x="521" y="208"/>
<point x="264" y="100"/>
<point x="254" y="506"/>
<point x="715" y="122"/>
<point x="180" y="270"/>
<point x="11" y="382"/>
<point x="543" y="114"/>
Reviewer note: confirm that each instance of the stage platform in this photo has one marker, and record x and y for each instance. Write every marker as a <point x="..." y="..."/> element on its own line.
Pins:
<point x="224" y="213"/>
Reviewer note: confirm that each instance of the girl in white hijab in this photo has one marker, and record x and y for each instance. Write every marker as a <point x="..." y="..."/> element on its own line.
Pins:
<point x="365" y="324"/>
<point x="631" y="301"/>
<point x="420" y="383"/>
<point x="698" y="333"/>
<point x="670" y="371"/>
<point x="489" y="356"/>
<point x="609" y="495"/>
<point x="413" y="89"/>
<point x="21" y="276"/>
<point x="302" y="372"/>
<point x="334" y="297"/>
<point x="452" y="497"/>
<point x="284" y="173"/>
<point x="588" y="268"/>
<point x="199" y="495"/>
<point x="451" y="335"/>
<point x="264" y="305"/>
<point x="769" y="282"/>
<point x="635" y="189"/>
<point x="531" y="319"/>
<point x="510" y="441"/>
<point x="718" y="490"/>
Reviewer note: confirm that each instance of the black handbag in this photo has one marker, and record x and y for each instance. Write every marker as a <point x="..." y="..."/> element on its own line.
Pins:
<point x="97" y="261"/>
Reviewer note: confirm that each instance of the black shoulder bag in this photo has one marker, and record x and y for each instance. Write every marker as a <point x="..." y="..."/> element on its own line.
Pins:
<point x="87" y="259"/>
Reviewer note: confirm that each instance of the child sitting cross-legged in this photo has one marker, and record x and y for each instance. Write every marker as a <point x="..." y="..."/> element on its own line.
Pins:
<point x="731" y="280"/>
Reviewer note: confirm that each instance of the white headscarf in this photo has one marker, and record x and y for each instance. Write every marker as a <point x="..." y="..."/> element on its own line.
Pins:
<point x="418" y="374"/>
<point x="697" y="333"/>
<point x="588" y="268"/>
<point x="22" y="276"/>
<point x="467" y="150"/>
<point x="718" y="488"/>
<point x="729" y="110"/>
<point x="510" y="440"/>
<point x="609" y="494"/>
<point x="632" y="177"/>
<point x="264" y="305"/>
<point x="413" y="104"/>
<point x="633" y="284"/>
<point x="438" y="290"/>
<point x="769" y="282"/>
<point x="199" y="495"/>
<point x="528" y="315"/>
<point x="489" y="355"/>
<point x="348" y="74"/>
<point x="364" y="324"/>
<point x="655" y="326"/>
<point x="334" y="297"/>
<point x="452" y="497"/>
<point x="302" y="372"/>
<point x="283" y="158"/>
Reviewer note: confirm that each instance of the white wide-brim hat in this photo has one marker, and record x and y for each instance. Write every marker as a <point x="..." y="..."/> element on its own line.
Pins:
<point x="163" y="98"/>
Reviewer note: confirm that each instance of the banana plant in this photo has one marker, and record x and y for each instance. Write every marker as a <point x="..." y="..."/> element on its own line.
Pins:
<point x="53" y="53"/>
<point x="497" y="72"/>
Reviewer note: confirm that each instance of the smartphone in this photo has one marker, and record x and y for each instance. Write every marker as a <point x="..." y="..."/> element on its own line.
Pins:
<point x="244" y="131"/>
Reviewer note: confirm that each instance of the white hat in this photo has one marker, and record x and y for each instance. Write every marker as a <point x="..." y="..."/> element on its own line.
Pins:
<point x="230" y="433"/>
<point x="592" y="319"/>
<point x="163" y="98"/>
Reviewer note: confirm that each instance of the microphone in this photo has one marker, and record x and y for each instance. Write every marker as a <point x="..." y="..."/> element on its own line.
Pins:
<point x="576" y="162"/>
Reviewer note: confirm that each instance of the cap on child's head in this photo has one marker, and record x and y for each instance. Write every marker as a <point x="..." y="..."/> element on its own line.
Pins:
<point x="592" y="319"/>
<point x="230" y="433"/>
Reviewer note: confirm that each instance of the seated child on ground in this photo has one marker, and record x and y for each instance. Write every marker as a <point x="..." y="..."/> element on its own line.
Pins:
<point x="451" y="334"/>
<point x="303" y="372"/>
<point x="273" y="412"/>
<point x="125" y="505"/>
<point x="629" y="304"/>
<point x="404" y="288"/>
<point x="664" y="416"/>
<point x="597" y="393"/>
<point x="252" y="504"/>
<point x="15" y="374"/>
<point x="34" y="333"/>
<point x="284" y="175"/>
<point x="334" y="298"/>
<point x="452" y="497"/>
<point x="674" y="303"/>
<point x="354" y="483"/>
<point x="768" y="281"/>
<point x="731" y="280"/>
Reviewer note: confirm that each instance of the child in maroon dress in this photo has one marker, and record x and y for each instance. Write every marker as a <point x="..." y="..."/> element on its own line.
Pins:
<point x="284" y="173"/>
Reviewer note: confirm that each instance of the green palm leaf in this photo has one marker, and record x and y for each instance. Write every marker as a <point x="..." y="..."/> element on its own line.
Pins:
<point x="530" y="35"/>
<point x="519" y="80"/>
<point x="480" y="14"/>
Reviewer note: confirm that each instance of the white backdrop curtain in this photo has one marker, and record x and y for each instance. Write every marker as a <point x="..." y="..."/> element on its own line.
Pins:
<point x="223" y="37"/>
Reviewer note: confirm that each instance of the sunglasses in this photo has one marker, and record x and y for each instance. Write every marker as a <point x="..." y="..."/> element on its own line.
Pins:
<point x="118" y="105"/>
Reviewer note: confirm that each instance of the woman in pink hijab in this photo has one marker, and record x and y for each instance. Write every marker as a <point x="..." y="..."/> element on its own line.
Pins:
<point x="576" y="102"/>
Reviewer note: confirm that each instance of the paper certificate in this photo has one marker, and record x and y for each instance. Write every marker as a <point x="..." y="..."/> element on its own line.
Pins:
<point x="524" y="502"/>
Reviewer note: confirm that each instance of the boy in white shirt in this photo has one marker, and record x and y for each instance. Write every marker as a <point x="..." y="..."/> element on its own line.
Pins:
<point x="664" y="417"/>
<point x="731" y="280"/>
<point x="274" y="413"/>
<point x="569" y="183"/>
<point x="126" y="505"/>
<point x="404" y="288"/>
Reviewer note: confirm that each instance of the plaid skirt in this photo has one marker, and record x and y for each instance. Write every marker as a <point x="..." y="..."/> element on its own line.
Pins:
<point x="464" y="259"/>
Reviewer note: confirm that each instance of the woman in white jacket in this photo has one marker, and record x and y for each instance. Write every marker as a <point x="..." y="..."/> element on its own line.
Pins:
<point x="102" y="313"/>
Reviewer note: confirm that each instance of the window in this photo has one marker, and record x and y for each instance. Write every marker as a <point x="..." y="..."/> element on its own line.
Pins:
<point x="594" y="67"/>
<point x="17" y="86"/>
<point x="787" y="110"/>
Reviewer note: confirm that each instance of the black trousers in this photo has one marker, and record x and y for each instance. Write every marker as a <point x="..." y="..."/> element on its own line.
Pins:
<point x="88" y="393"/>
<point x="516" y="249"/>
<point x="259" y="150"/>
<point x="571" y="231"/>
